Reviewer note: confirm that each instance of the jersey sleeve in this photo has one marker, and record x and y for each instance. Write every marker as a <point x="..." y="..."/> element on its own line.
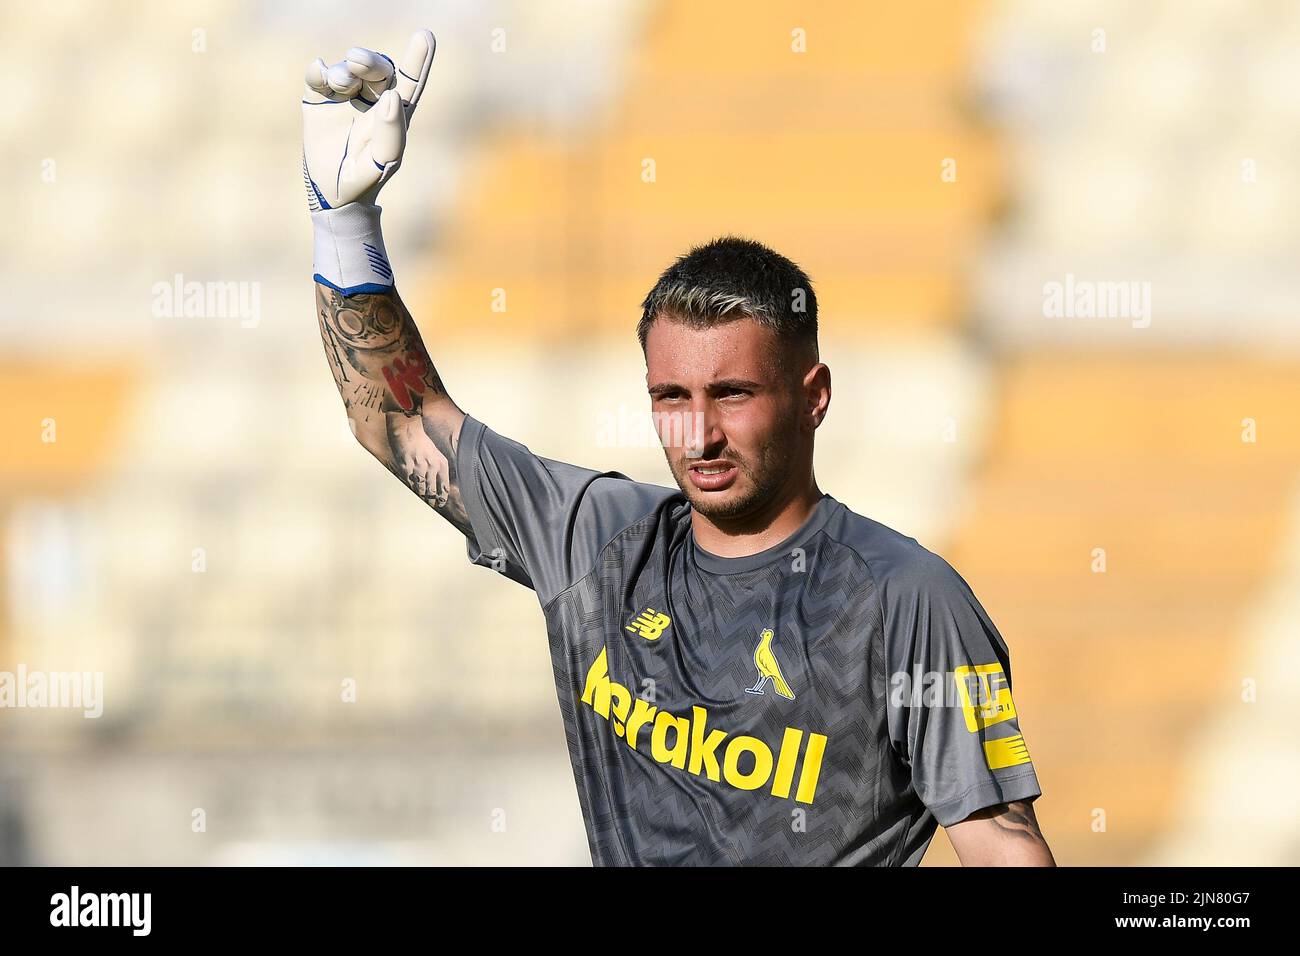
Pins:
<point x="540" y="522"/>
<point x="951" y="715"/>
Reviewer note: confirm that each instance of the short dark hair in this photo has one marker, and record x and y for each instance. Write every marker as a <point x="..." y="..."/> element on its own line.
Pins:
<point x="731" y="278"/>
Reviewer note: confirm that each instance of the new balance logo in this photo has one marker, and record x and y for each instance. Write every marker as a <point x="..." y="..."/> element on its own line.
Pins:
<point x="650" y="624"/>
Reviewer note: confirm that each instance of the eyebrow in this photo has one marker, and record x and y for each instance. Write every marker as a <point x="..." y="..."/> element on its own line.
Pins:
<point x="743" y="384"/>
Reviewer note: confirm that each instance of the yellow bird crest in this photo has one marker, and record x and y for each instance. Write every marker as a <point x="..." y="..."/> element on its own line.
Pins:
<point x="768" y="668"/>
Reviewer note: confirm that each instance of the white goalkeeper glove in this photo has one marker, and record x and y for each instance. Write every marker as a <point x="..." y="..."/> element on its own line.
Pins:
<point x="354" y="119"/>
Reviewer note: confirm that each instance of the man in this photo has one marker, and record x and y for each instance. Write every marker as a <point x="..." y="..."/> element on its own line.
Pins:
<point x="749" y="672"/>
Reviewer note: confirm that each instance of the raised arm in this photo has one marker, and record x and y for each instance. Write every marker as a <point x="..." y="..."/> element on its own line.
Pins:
<point x="396" y="404"/>
<point x="355" y="116"/>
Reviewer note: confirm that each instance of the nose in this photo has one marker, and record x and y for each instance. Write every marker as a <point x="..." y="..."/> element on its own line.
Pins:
<point x="704" y="436"/>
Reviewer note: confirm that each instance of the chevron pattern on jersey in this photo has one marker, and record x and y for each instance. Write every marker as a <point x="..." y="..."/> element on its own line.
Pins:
<point x="641" y="807"/>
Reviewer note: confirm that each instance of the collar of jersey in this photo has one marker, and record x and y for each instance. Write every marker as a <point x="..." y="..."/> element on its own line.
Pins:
<point x="716" y="564"/>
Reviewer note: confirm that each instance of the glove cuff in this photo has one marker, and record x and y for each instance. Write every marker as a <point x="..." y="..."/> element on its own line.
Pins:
<point x="349" y="249"/>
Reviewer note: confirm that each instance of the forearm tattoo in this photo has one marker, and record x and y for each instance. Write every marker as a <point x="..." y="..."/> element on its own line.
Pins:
<point x="395" y="401"/>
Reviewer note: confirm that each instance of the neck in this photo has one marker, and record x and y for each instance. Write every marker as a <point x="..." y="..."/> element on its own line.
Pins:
<point x="769" y="525"/>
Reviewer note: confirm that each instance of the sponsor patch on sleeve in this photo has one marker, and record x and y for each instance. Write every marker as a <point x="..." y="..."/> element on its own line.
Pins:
<point x="1006" y="752"/>
<point x="985" y="695"/>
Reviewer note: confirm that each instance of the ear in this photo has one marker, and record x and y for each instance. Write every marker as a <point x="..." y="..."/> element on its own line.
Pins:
<point x="817" y="394"/>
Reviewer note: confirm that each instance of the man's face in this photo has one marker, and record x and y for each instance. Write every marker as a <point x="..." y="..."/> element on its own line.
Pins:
<point x="728" y="413"/>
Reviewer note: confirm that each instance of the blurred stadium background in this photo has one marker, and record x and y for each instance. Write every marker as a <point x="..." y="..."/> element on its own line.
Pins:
<point x="204" y="531"/>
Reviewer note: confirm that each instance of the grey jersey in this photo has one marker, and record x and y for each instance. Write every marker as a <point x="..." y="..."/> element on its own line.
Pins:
<point x="825" y="701"/>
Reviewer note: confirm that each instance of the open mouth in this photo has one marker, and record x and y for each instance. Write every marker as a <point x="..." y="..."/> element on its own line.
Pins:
<point x="712" y="475"/>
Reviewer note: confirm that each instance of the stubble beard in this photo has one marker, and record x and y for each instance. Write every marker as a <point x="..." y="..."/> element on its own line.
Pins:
<point x="759" y="483"/>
